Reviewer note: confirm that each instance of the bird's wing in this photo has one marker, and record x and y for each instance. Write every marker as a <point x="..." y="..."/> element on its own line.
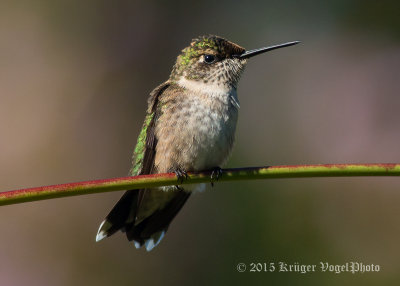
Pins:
<point x="153" y="225"/>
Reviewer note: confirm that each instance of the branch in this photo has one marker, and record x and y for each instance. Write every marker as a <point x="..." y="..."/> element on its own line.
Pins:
<point x="167" y="179"/>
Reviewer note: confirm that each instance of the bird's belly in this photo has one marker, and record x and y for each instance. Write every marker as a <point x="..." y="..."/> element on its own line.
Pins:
<point x="212" y="140"/>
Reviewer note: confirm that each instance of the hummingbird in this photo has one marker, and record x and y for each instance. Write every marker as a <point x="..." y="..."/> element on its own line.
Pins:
<point x="189" y="126"/>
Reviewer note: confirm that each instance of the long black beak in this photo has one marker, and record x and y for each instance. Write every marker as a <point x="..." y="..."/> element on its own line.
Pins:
<point x="252" y="53"/>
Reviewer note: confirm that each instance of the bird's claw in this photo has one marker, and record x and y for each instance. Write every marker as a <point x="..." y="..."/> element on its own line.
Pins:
<point x="181" y="175"/>
<point x="215" y="174"/>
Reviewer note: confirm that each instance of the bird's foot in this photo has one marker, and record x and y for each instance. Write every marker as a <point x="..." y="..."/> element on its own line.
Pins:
<point x="181" y="175"/>
<point x="215" y="174"/>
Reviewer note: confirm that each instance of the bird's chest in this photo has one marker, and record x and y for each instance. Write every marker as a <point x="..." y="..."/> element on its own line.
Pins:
<point x="208" y="123"/>
<point x="199" y="131"/>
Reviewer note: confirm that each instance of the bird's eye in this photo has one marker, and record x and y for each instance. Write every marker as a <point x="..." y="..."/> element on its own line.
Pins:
<point x="209" y="59"/>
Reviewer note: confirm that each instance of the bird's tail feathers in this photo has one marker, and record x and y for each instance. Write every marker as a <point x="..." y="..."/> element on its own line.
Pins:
<point x="119" y="215"/>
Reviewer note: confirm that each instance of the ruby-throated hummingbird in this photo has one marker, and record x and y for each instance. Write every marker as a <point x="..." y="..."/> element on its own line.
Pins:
<point x="189" y="126"/>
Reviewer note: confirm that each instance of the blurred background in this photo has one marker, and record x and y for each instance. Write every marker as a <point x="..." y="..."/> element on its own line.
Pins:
<point x="74" y="81"/>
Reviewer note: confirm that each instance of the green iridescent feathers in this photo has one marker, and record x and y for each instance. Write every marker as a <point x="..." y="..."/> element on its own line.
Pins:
<point x="197" y="47"/>
<point x="143" y="155"/>
<point x="140" y="148"/>
<point x="210" y="44"/>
